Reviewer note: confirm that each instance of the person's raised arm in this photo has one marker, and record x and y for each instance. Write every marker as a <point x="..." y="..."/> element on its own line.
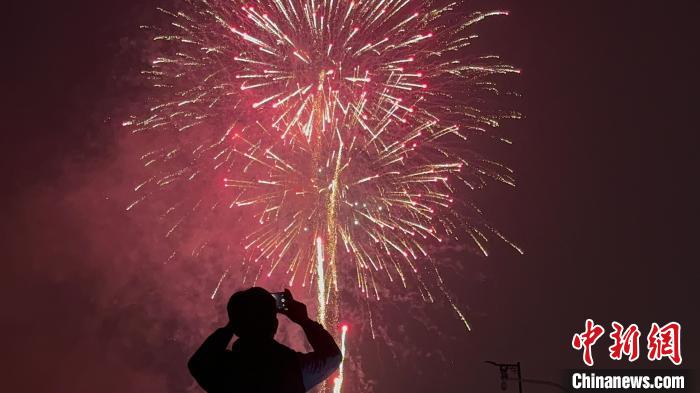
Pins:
<point x="326" y="356"/>
<point x="206" y="365"/>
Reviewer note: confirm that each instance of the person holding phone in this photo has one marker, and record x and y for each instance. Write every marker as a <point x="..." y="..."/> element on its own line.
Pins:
<point x="256" y="363"/>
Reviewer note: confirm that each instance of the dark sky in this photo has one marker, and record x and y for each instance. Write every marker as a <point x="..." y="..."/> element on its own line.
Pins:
<point x="605" y="206"/>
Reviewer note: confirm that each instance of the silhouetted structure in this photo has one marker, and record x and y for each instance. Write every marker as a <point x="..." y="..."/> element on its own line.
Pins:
<point x="256" y="363"/>
<point x="505" y="370"/>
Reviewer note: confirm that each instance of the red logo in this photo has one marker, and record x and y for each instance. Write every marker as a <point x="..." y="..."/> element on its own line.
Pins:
<point x="626" y="342"/>
<point x="586" y="340"/>
<point x="662" y="342"/>
<point x="665" y="342"/>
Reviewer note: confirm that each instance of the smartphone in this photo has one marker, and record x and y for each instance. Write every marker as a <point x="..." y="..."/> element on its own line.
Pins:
<point x="281" y="300"/>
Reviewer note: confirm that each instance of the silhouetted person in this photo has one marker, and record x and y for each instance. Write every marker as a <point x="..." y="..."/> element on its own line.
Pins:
<point x="256" y="362"/>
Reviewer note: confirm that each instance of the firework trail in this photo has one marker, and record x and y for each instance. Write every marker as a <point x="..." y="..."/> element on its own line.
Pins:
<point x="342" y="128"/>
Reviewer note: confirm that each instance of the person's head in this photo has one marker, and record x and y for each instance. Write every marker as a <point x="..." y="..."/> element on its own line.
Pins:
<point x="253" y="313"/>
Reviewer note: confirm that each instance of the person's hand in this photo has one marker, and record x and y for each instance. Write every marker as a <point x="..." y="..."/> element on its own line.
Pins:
<point x="296" y="311"/>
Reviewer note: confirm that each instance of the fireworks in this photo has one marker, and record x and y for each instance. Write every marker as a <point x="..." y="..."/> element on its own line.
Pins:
<point x="342" y="128"/>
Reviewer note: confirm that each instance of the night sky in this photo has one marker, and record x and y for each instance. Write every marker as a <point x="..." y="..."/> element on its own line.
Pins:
<point x="605" y="207"/>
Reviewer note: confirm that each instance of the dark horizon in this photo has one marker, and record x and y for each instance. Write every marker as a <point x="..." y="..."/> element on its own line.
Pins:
<point x="604" y="207"/>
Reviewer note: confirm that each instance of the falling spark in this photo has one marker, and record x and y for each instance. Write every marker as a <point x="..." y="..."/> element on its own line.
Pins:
<point x="320" y="260"/>
<point x="219" y="284"/>
<point x="338" y="381"/>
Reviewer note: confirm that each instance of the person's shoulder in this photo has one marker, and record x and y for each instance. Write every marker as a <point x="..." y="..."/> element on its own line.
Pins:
<point x="283" y="348"/>
<point x="287" y="352"/>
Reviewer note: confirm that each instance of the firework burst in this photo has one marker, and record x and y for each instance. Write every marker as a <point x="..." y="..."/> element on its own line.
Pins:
<point x="342" y="127"/>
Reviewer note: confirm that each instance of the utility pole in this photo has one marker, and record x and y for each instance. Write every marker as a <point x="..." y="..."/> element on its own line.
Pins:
<point x="506" y="368"/>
